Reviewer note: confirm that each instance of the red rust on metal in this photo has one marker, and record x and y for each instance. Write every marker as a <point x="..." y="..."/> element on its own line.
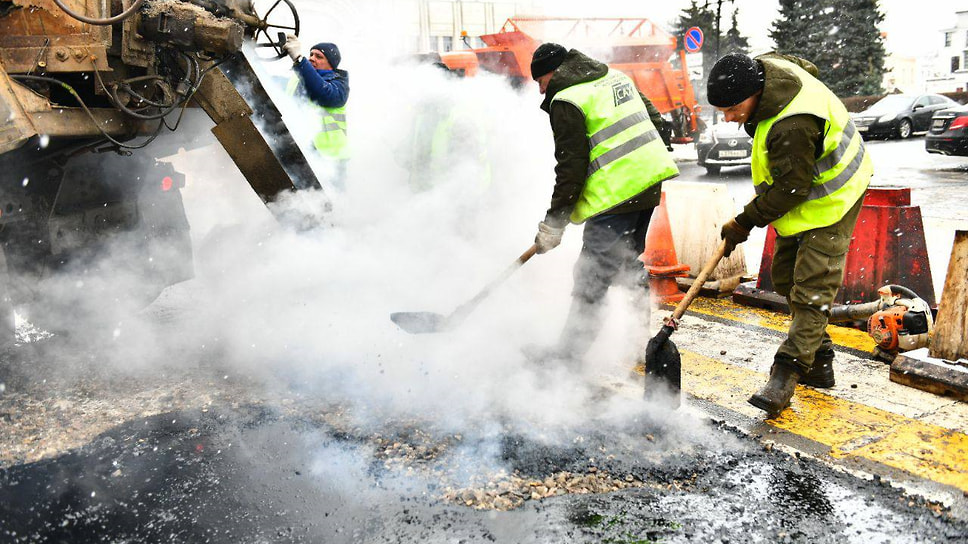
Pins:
<point x="39" y="18"/>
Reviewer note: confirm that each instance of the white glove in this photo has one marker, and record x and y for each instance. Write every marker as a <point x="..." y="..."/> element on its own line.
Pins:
<point x="548" y="237"/>
<point x="292" y="47"/>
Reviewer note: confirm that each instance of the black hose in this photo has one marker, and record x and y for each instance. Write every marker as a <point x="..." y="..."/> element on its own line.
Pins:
<point x="112" y="94"/>
<point x="191" y="94"/>
<point x="69" y="89"/>
<point x="904" y="291"/>
<point x="854" y="312"/>
<point x="101" y="22"/>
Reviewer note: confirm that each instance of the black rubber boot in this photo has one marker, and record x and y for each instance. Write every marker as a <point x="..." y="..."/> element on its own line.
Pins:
<point x="821" y="374"/>
<point x="775" y="396"/>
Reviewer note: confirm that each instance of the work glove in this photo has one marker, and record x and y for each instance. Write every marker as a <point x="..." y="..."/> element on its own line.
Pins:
<point x="292" y="47"/>
<point x="734" y="234"/>
<point x="548" y="237"/>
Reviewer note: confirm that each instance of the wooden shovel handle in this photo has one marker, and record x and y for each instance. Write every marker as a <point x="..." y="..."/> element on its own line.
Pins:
<point x="528" y="254"/>
<point x="466" y="308"/>
<point x="700" y="280"/>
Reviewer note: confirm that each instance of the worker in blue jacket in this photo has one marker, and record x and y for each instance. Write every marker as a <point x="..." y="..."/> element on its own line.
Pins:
<point x="328" y="89"/>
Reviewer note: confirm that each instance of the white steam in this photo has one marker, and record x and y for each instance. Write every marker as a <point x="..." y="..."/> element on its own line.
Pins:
<point x="310" y="310"/>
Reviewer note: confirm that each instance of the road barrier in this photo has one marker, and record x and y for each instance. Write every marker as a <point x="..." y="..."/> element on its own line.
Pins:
<point x="660" y="258"/>
<point x="888" y="247"/>
<point x="697" y="212"/>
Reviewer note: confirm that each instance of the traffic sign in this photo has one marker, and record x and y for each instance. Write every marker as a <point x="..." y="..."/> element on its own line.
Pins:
<point x="693" y="39"/>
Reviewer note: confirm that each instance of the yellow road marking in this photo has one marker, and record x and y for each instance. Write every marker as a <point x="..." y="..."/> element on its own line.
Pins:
<point x="850" y="429"/>
<point x="727" y="309"/>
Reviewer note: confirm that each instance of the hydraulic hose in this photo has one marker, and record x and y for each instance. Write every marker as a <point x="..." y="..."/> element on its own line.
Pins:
<point x="101" y="22"/>
<point x="73" y="93"/>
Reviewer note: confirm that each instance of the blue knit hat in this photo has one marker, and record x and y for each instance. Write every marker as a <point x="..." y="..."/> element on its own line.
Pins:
<point x="330" y="51"/>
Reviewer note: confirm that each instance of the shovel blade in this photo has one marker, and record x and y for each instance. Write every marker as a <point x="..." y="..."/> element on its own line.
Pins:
<point x="663" y="369"/>
<point x="419" y="322"/>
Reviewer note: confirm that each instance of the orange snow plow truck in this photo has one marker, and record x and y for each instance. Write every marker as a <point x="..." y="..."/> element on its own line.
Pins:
<point x="638" y="47"/>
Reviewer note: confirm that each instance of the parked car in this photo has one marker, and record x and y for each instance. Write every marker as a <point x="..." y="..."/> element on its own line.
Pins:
<point x="723" y="144"/>
<point x="900" y="115"/>
<point x="949" y="132"/>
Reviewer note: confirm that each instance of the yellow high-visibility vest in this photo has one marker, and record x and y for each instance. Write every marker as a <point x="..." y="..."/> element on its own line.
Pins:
<point x="842" y="172"/>
<point x="331" y="140"/>
<point x="627" y="156"/>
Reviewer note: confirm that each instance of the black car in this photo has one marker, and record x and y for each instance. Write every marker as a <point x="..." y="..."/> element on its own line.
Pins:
<point x="724" y="144"/>
<point x="949" y="132"/>
<point x="900" y="115"/>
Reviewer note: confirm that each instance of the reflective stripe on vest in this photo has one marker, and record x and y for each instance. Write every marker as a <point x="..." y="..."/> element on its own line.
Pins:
<point x="331" y="140"/>
<point x="626" y="155"/>
<point x="841" y="173"/>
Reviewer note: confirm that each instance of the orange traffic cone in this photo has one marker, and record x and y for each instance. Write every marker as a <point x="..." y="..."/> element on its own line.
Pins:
<point x="660" y="258"/>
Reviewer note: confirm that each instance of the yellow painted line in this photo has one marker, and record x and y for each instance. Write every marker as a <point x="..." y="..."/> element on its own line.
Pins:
<point x="850" y="429"/>
<point x="727" y="309"/>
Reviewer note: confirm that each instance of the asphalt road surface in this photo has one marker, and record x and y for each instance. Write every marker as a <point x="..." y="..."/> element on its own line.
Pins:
<point x="273" y="469"/>
<point x="250" y="474"/>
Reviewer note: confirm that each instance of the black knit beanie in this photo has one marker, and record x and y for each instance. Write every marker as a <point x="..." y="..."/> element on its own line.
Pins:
<point x="330" y="51"/>
<point x="547" y="57"/>
<point x="733" y="79"/>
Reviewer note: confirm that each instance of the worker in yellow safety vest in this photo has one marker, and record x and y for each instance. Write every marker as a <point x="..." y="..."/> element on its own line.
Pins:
<point x="449" y="137"/>
<point x="611" y="162"/>
<point x="328" y="89"/>
<point x="810" y="173"/>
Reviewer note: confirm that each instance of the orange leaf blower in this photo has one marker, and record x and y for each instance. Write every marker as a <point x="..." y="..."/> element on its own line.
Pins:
<point x="899" y="321"/>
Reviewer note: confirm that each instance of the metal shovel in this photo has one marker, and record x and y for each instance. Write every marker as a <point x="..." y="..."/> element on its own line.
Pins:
<point x="427" y="322"/>
<point x="663" y="366"/>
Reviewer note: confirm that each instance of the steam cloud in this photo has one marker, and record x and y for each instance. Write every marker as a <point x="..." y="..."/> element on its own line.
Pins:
<point x="309" y="310"/>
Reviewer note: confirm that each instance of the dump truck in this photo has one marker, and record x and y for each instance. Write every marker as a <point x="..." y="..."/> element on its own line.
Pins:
<point x="91" y="92"/>
<point x="636" y="46"/>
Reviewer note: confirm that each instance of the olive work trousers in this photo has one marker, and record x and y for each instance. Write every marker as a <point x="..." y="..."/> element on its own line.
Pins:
<point x="611" y="245"/>
<point x="808" y="269"/>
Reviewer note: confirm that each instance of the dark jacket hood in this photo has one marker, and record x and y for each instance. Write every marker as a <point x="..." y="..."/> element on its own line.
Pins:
<point x="779" y="88"/>
<point x="576" y="68"/>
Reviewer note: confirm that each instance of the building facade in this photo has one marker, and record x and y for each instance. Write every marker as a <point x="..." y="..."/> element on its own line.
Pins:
<point x="903" y="74"/>
<point x="949" y="70"/>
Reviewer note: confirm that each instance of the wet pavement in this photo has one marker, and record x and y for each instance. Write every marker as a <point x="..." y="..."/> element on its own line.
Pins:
<point x="939" y="186"/>
<point x="163" y="446"/>
<point x="253" y="475"/>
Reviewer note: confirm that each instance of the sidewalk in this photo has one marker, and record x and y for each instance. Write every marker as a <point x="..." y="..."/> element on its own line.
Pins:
<point x="866" y="423"/>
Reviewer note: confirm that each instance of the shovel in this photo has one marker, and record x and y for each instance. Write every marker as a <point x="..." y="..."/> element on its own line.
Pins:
<point x="663" y="366"/>
<point x="427" y="322"/>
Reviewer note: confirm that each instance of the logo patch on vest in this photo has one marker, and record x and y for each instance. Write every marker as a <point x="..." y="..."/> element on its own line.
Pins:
<point x="622" y="92"/>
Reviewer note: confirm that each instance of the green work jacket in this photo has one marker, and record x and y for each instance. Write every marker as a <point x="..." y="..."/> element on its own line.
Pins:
<point x="841" y="173"/>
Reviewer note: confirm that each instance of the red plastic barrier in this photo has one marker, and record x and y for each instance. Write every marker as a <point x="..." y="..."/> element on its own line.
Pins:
<point x="888" y="247"/>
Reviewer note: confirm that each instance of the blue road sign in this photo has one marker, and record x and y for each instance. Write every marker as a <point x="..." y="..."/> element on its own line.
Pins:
<point x="693" y="39"/>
